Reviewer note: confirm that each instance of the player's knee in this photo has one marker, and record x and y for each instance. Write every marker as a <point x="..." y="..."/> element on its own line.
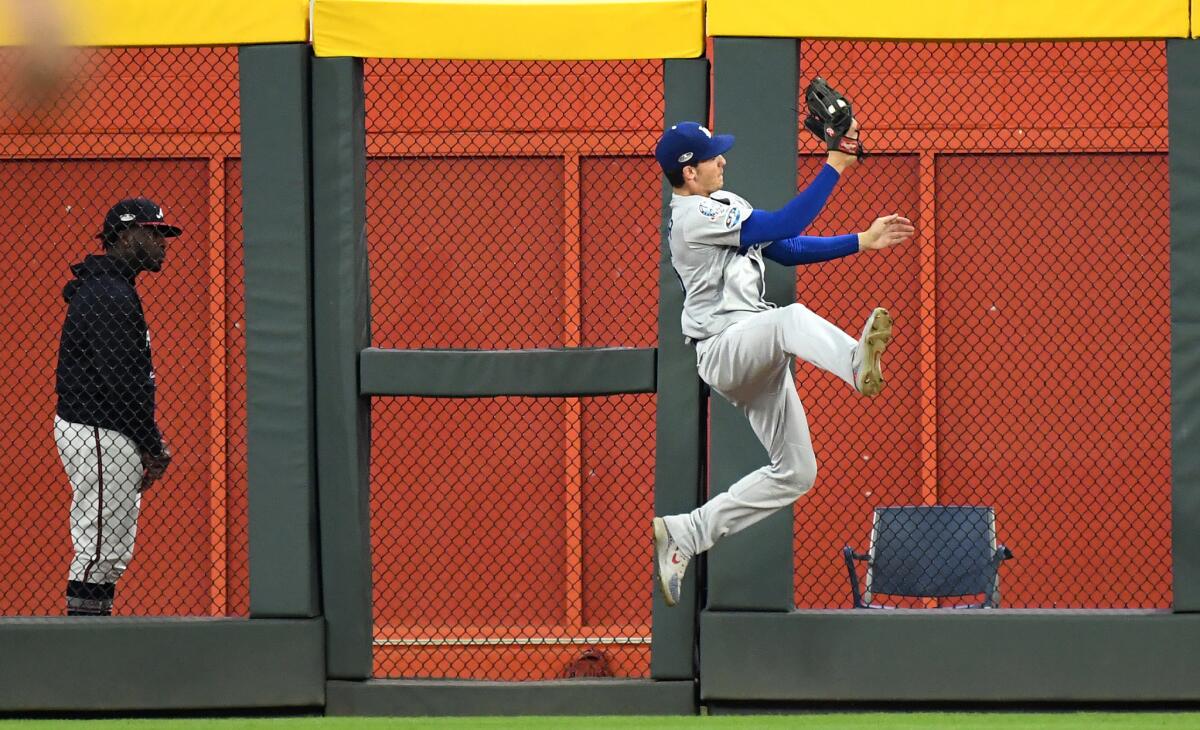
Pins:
<point x="804" y="481"/>
<point x="795" y="481"/>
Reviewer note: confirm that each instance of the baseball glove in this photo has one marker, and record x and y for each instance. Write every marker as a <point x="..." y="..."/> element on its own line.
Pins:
<point x="829" y="118"/>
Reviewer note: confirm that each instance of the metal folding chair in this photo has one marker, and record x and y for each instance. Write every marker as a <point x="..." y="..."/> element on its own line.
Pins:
<point x="930" y="552"/>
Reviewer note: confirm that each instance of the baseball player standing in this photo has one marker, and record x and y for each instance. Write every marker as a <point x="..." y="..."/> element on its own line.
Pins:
<point x="107" y="437"/>
<point x="744" y="344"/>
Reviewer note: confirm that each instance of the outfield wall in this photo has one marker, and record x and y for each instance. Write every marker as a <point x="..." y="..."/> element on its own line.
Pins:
<point x="550" y="476"/>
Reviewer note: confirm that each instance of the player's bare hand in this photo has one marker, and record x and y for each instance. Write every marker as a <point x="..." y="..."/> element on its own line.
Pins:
<point x="886" y="232"/>
<point x="154" y="466"/>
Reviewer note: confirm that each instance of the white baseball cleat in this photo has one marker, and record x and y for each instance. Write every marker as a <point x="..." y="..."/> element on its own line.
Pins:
<point x="877" y="333"/>
<point x="672" y="562"/>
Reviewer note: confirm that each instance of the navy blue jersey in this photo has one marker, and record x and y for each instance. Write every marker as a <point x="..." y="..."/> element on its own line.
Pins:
<point x="105" y="373"/>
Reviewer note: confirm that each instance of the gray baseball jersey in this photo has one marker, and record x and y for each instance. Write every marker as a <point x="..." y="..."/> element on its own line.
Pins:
<point x="723" y="287"/>
<point x="744" y="345"/>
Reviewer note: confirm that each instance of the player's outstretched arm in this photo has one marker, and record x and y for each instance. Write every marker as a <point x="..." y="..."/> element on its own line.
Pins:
<point x="790" y="220"/>
<point x="883" y="233"/>
<point x="811" y="249"/>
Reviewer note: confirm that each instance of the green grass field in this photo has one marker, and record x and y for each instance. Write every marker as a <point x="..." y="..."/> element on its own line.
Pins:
<point x="823" y="721"/>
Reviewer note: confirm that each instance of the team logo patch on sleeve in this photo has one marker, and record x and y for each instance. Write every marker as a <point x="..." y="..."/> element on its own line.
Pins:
<point x="733" y="218"/>
<point x="711" y="210"/>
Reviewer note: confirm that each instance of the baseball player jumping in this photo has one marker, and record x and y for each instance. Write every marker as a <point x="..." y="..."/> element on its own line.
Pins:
<point x="743" y="343"/>
<point x="105" y="428"/>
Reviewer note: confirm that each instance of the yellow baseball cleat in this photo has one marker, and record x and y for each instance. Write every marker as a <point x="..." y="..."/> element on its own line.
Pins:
<point x="877" y="333"/>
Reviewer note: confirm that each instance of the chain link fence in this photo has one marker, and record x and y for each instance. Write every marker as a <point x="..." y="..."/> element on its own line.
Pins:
<point x="512" y="205"/>
<point x="1030" y="373"/>
<point x="521" y="211"/>
<point x="80" y="131"/>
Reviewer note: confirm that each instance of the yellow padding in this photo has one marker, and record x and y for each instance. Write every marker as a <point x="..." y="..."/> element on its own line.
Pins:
<point x="951" y="19"/>
<point x="514" y="30"/>
<point x="154" y="22"/>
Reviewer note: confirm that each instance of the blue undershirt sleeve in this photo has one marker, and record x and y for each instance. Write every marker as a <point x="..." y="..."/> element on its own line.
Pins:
<point x="810" y="249"/>
<point x="790" y="220"/>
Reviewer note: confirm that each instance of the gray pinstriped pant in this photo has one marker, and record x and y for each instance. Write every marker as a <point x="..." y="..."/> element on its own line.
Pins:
<point x="105" y="470"/>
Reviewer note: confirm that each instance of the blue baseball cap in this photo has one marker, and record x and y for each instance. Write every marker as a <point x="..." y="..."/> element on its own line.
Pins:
<point x="687" y="143"/>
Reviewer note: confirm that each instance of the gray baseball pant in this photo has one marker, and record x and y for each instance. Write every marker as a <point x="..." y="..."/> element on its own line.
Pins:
<point x="747" y="364"/>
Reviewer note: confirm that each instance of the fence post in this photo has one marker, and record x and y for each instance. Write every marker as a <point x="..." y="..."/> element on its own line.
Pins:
<point x="342" y="320"/>
<point x="1183" y="104"/>
<point x="755" y="86"/>
<point x="681" y="416"/>
<point x="284" y="578"/>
